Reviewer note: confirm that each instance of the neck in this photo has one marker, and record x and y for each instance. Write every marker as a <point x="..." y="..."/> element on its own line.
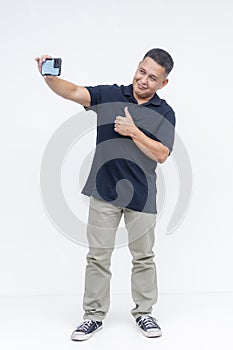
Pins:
<point x="139" y="100"/>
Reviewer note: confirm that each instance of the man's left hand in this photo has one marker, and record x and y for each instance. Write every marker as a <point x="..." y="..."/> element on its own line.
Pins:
<point x="125" y="125"/>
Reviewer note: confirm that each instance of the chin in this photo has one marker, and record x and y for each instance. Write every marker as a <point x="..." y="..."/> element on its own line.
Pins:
<point x="142" y="93"/>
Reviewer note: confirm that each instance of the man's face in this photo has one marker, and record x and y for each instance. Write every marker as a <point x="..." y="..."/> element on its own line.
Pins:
<point x="149" y="78"/>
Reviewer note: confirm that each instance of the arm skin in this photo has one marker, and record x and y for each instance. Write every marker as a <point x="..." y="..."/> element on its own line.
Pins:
<point x="153" y="149"/>
<point x="65" y="88"/>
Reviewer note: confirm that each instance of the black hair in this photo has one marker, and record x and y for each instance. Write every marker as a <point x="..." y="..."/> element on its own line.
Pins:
<point x="162" y="57"/>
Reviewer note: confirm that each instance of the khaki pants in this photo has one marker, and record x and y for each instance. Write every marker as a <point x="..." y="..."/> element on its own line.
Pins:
<point x="103" y="222"/>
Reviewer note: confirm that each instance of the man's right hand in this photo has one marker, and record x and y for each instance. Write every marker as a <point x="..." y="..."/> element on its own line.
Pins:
<point x="40" y="60"/>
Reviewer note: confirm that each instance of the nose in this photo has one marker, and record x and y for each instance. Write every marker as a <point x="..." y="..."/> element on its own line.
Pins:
<point x="144" y="80"/>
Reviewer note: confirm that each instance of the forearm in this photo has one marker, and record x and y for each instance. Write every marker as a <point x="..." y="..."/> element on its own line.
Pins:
<point x="69" y="90"/>
<point x="151" y="148"/>
<point x="61" y="87"/>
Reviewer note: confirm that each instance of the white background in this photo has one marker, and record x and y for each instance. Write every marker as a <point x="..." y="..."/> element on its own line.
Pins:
<point x="102" y="42"/>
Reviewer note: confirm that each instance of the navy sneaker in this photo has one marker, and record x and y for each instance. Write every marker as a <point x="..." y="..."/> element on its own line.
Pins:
<point x="149" y="326"/>
<point x="86" y="329"/>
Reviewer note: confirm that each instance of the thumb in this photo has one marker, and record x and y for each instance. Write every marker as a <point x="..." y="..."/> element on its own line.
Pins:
<point x="127" y="114"/>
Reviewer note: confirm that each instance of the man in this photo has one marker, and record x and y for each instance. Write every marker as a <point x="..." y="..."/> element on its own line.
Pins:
<point x="135" y="131"/>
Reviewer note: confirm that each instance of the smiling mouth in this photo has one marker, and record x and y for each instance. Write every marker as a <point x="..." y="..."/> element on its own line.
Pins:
<point x="141" y="87"/>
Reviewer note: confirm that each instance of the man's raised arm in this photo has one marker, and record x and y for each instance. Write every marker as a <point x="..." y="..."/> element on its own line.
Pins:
<point x="65" y="88"/>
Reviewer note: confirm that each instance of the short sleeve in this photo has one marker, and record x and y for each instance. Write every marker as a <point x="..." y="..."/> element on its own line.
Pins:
<point x="95" y="94"/>
<point x="104" y="93"/>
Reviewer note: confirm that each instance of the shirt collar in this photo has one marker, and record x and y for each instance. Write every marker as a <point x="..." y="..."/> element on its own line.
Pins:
<point x="128" y="91"/>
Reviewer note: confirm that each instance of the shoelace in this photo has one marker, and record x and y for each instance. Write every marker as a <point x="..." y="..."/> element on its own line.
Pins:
<point x="85" y="325"/>
<point x="148" y="321"/>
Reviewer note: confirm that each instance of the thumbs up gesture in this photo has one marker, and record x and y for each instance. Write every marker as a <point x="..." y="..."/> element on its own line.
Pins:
<point x="125" y="125"/>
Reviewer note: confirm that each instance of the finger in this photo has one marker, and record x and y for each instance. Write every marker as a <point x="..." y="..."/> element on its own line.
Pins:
<point x="40" y="61"/>
<point x="127" y="114"/>
<point x="119" y="117"/>
<point x="43" y="58"/>
<point x="118" y="120"/>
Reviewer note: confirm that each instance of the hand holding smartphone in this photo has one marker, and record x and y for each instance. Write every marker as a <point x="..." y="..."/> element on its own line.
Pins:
<point x="51" y="66"/>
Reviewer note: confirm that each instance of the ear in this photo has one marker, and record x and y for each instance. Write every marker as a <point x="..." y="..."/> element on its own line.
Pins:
<point x="164" y="83"/>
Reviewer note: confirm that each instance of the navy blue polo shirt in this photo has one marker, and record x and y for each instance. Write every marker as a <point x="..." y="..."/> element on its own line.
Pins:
<point x="121" y="173"/>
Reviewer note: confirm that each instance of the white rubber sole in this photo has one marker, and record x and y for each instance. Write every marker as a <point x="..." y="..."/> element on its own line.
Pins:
<point x="151" y="334"/>
<point x="81" y="336"/>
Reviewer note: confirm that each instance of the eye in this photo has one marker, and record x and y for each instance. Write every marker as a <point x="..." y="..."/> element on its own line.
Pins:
<point x="142" y="71"/>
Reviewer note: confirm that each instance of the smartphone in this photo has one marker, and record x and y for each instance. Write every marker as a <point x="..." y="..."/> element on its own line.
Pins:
<point x="51" y="66"/>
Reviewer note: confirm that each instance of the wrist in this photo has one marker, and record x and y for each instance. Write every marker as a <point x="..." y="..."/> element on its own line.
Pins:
<point x="50" y="77"/>
<point x="135" y="133"/>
